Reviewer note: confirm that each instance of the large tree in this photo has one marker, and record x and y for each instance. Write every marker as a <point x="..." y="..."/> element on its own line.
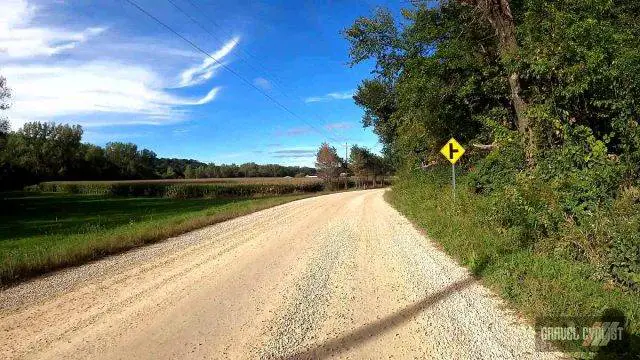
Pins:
<point x="498" y="13"/>
<point x="5" y="128"/>
<point x="440" y="77"/>
<point x="5" y="97"/>
<point x="497" y="71"/>
<point x="47" y="150"/>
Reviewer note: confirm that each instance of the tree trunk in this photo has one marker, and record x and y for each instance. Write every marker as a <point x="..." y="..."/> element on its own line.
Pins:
<point x="498" y="13"/>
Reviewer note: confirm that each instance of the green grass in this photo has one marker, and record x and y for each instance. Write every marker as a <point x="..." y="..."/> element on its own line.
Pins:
<point x="40" y="233"/>
<point x="533" y="284"/>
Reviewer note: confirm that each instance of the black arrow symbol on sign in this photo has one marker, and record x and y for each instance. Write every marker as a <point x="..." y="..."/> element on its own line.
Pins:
<point x="452" y="151"/>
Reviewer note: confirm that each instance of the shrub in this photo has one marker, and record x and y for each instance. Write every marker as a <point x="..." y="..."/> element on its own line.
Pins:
<point x="583" y="174"/>
<point x="31" y="188"/>
<point x="529" y="210"/>
<point x="499" y="168"/>
<point x="610" y="240"/>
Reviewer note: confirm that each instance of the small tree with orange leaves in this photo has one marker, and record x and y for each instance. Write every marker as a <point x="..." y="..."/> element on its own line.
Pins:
<point x="328" y="163"/>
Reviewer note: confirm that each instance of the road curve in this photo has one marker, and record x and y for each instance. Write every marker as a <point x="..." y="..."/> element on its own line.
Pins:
<point x="341" y="275"/>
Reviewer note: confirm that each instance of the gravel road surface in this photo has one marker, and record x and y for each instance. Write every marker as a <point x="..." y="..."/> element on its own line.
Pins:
<point x="336" y="276"/>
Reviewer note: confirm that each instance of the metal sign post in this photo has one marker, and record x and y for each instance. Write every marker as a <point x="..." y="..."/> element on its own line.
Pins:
<point x="452" y="151"/>
<point x="453" y="179"/>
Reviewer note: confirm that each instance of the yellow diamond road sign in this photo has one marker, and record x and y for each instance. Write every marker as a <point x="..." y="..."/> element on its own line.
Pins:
<point x="452" y="151"/>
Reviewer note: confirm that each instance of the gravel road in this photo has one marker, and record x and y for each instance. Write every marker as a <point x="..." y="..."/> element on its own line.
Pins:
<point x="341" y="275"/>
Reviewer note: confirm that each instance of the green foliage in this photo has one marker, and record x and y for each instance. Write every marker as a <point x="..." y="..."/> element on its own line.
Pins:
<point x="535" y="282"/>
<point x="529" y="210"/>
<point x="582" y="57"/>
<point x="364" y="165"/>
<point x="442" y="72"/>
<point x="499" y="168"/>
<point x="610" y="240"/>
<point x="48" y="151"/>
<point x="189" y="172"/>
<point x="45" y="232"/>
<point x="581" y="171"/>
<point x="5" y="97"/>
<point x="376" y="37"/>
<point x="432" y="80"/>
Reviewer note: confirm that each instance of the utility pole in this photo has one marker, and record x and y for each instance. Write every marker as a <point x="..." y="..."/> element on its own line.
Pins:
<point x="346" y="165"/>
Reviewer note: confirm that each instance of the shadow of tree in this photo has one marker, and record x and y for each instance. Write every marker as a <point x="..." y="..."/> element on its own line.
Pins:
<point x="359" y="336"/>
<point x="629" y="345"/>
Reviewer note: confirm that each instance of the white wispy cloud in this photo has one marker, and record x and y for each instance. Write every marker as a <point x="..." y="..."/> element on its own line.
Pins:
<point x="330" y="96"/>
<point x="19" y="40"/>
<point x="296" y="131"/>
<point x="262" y="83"/>
<point x="42" y="92"/>
<point x="294" y="153"/>
<point x="339" y="126"/>
<point x="203" y="72"/>
<point x="85" y="90"/>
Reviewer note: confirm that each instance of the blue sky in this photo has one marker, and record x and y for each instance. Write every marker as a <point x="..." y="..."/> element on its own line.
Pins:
<point x="108" y="67"/>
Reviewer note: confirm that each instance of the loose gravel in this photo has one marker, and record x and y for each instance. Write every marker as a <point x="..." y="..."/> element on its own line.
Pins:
<point x="341" y="275"/>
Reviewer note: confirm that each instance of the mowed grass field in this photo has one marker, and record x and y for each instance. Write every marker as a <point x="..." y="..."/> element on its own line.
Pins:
<point x="44" y="231"/>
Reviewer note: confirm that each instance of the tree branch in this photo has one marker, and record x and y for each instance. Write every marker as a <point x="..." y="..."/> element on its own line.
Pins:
<point x="486" y="147"/>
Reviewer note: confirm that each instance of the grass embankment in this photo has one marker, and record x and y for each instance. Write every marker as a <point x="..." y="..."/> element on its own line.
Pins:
<point x="43" y="232"/>
<point x="536" y="285"/>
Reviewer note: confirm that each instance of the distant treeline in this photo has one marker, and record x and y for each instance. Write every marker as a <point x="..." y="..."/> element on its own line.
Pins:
<point x="47" y="151"/>
<point x="201" y="170"/>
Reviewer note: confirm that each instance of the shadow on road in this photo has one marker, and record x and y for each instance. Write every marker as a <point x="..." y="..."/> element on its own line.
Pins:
<point x="345" y="342"/>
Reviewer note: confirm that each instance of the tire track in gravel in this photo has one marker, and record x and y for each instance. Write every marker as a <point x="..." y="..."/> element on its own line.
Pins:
<point x="302" y="314"/>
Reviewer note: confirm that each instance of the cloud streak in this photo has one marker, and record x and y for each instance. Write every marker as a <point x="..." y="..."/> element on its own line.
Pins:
<point x="262" y="83"/>
<point x="297" y="131"/>
<point x="203" y="72"/>
<point x="43" y="92"/>
<point x="91" y="92"/>
<point x="294" y="153"/>
<point x="18" y="40"/>
<point x="330" y="96"/>
<point x="339" y="126"/>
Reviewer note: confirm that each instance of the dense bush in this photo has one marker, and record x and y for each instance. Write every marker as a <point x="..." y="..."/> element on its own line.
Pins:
<point x="529" y="210"/>
<point x="610" y="240"/>
<point x="498" y="169"/>
<point x="577" y="212"/>
<point x="568" y="205"/>
<point x="582" y="172"/>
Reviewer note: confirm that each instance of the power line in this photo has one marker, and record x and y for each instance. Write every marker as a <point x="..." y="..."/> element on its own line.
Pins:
<point x="276" y="81"/>
<point x="195" y="46"/>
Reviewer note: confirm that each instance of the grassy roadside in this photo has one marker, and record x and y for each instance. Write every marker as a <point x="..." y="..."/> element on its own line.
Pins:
<point x="43" y="233"/>
<point x="533" y="284"/>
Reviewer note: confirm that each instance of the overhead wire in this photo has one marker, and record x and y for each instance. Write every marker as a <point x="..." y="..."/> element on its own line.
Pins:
<point x="277" y="82"/>
<point x="227" y="68"/>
